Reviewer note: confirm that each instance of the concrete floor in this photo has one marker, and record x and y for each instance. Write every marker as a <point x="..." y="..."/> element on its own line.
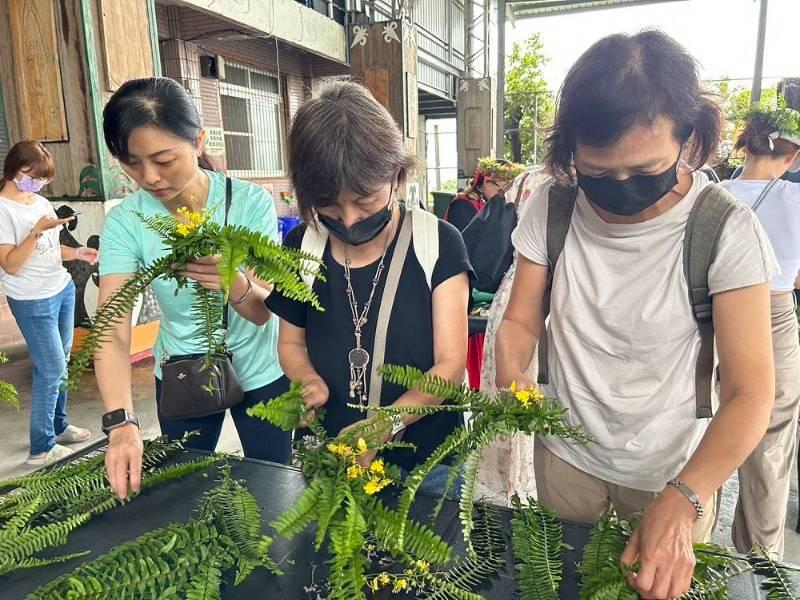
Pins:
<point x="85" y="410"/>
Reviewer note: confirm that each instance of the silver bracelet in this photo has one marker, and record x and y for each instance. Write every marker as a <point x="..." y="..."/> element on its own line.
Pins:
<point x="689" y="494"/>
<point x="246" y="292"/>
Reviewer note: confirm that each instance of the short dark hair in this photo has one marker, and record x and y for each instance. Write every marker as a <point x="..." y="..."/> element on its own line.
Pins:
<point x="625" y="80"/>
<point x="158" y="102"/>
<point x="344" y="139"/>
<point x="32" y="155"/>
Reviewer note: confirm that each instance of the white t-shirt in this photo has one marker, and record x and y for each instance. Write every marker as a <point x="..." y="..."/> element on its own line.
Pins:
<point x="779" y="213"/>
<point x="622" y="337"/>
<point x="43" y="275"/>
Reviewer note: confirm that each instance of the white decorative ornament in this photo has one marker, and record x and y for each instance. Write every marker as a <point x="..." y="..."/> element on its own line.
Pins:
<point x="463" y="86"/>
<point x="390" y="33"/>
<point x="359" y="36"/>
<point x="483" y="85"/>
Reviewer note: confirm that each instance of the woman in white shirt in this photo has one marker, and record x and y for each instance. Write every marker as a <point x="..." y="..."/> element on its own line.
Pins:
<point x="633" y="128"/>
<point x="40" y="293"/>
<point x="770" y="140"/>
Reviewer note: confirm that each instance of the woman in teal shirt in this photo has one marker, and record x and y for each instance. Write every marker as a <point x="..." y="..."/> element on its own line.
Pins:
<point x="152" y="127"/>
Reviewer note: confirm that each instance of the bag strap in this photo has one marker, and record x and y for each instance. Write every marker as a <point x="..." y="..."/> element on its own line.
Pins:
<point x="228" y="201"/>
<point x="560" y="205"/>
<point x="703" y="229"/>
<point x="764" y="193"/>
<point x="315" y="237"/>
<point x="387" y="303"/>
<point x="521" y="184"/>
<point x="425" y="237"/>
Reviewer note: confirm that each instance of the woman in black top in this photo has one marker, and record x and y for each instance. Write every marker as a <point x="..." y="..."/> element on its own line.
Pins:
<point x="347" y="159"/>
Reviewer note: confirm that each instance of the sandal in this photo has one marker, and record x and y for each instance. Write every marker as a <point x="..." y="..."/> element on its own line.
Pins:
<point x="73" y="435"/>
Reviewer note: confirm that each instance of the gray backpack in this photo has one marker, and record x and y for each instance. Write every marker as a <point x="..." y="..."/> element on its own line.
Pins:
<point x="706" y="221"/>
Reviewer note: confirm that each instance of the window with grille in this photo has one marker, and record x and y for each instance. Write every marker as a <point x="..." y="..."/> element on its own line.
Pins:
<point x="252" y="117"/>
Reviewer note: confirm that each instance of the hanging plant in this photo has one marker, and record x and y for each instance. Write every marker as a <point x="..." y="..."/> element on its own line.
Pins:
<point x="197" y="235"/>
<point x="499" y="171"/>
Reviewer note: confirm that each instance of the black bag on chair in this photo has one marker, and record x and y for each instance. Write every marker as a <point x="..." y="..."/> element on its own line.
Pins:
<point x="488" y="240"/>
<point x="188" y="390"/>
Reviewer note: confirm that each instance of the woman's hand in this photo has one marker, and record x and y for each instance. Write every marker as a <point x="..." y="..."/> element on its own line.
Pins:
<point x="315" y="394"/>
<point x="364" y="459"/>
<point x="124" y="460"/>
<point x="47" y="222"/>
<point x="205" y="271"/>
<point x="662" y="544"/>
<point x="87" y="255"/>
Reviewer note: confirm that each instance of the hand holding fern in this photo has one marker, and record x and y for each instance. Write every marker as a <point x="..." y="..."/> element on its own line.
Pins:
<point x="662" y="545"/>
<point x="205" y="271"/>
<point x="124" y="460"/>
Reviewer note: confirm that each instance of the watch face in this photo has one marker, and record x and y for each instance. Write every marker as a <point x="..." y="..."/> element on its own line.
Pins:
<point x="115" y="417"/>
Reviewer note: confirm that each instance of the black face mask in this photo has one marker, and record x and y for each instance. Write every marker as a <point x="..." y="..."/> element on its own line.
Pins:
<point x="363" y="231"/>
<point x="630" y="196"/>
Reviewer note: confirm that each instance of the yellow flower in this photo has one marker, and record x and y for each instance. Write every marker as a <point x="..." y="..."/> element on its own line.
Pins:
<point x="383" y="578"/>
<point x="423" y="566"/>
<point x="399" y="585"/>
<point x="377" y="466"/>
<point x="182" y="229"/>
<point x="195" y="220"/>
<point x="373" y="585"/>
<point x="525" y="397"/>
<point x="376" y="484"/>
<point x="354" y="471"/>
<point x="362" y="446"/>
<point x="513" y="387"/>
<point x="342" y="450"/>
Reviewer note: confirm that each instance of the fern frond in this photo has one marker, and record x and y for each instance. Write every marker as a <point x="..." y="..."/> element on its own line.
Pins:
<point x="606" y="543"/>
<point x="421" y="541"/>
<point x="777" y="581"/>
<point x="538" y="540"/>
<point x="459" y="581"/>
<point x="301" y="514"/>
<point x="431" y="384"/>
<point x="285" y="411"/>
<point x="110" y="314"/>
<point x="466" y="501"/>
<point x="609" y="583"/>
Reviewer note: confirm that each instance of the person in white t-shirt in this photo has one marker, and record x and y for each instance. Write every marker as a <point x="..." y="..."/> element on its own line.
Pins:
<point x="770" y="140"/>
<point x="633" y="127"/>
<point x="40" y="293"/>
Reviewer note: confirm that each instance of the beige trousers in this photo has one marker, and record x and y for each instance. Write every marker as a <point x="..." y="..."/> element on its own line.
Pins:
<point x="578" y="496"/>
<point x="765" y="476"/>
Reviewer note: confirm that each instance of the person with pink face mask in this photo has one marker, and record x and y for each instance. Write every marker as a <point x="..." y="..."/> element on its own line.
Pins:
<point x="41" y="294"/>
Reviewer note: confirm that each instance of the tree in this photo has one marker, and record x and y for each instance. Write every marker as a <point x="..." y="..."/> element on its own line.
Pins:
<point x="735" y="102"/>
<point x="528" y="103"/>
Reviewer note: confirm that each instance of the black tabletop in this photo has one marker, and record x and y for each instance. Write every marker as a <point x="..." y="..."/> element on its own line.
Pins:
<point x="276" y="487"/>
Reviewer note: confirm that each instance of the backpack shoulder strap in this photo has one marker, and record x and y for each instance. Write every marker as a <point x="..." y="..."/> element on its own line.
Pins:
<point x="703" y="229"/>
<point x="425" y="237"/>
<point x="315" y="237"/>
<point x="560" y="206"/>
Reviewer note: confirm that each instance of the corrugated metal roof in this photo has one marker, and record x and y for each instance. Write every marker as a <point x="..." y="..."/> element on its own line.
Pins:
<point x="525" y="9"/>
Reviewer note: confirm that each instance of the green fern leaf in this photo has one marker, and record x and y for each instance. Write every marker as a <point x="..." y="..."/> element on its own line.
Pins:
<point x="538" y="541"/>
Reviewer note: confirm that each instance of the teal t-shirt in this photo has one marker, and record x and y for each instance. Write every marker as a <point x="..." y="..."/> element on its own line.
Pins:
<point x="126" y="245"/>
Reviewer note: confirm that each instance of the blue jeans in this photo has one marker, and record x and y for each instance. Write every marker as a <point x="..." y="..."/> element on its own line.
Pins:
<point x="260" y="439"/>
<point x="47" y="326"/>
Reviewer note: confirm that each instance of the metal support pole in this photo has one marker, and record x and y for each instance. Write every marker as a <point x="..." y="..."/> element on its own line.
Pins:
<point x="536" y="129"/>
<point x="501" y="78"/>
<point x="755" y="95"/>
<point x="437" y="164"/>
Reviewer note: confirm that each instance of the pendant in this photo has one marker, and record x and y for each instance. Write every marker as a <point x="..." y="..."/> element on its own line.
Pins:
<point x="358" y="358"/>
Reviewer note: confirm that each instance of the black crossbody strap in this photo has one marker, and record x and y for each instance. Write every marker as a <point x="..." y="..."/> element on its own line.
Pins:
<point x="228" y="200"/>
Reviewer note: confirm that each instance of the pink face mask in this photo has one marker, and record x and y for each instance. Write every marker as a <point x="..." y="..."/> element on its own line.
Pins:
<point x="29" y="184"/>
